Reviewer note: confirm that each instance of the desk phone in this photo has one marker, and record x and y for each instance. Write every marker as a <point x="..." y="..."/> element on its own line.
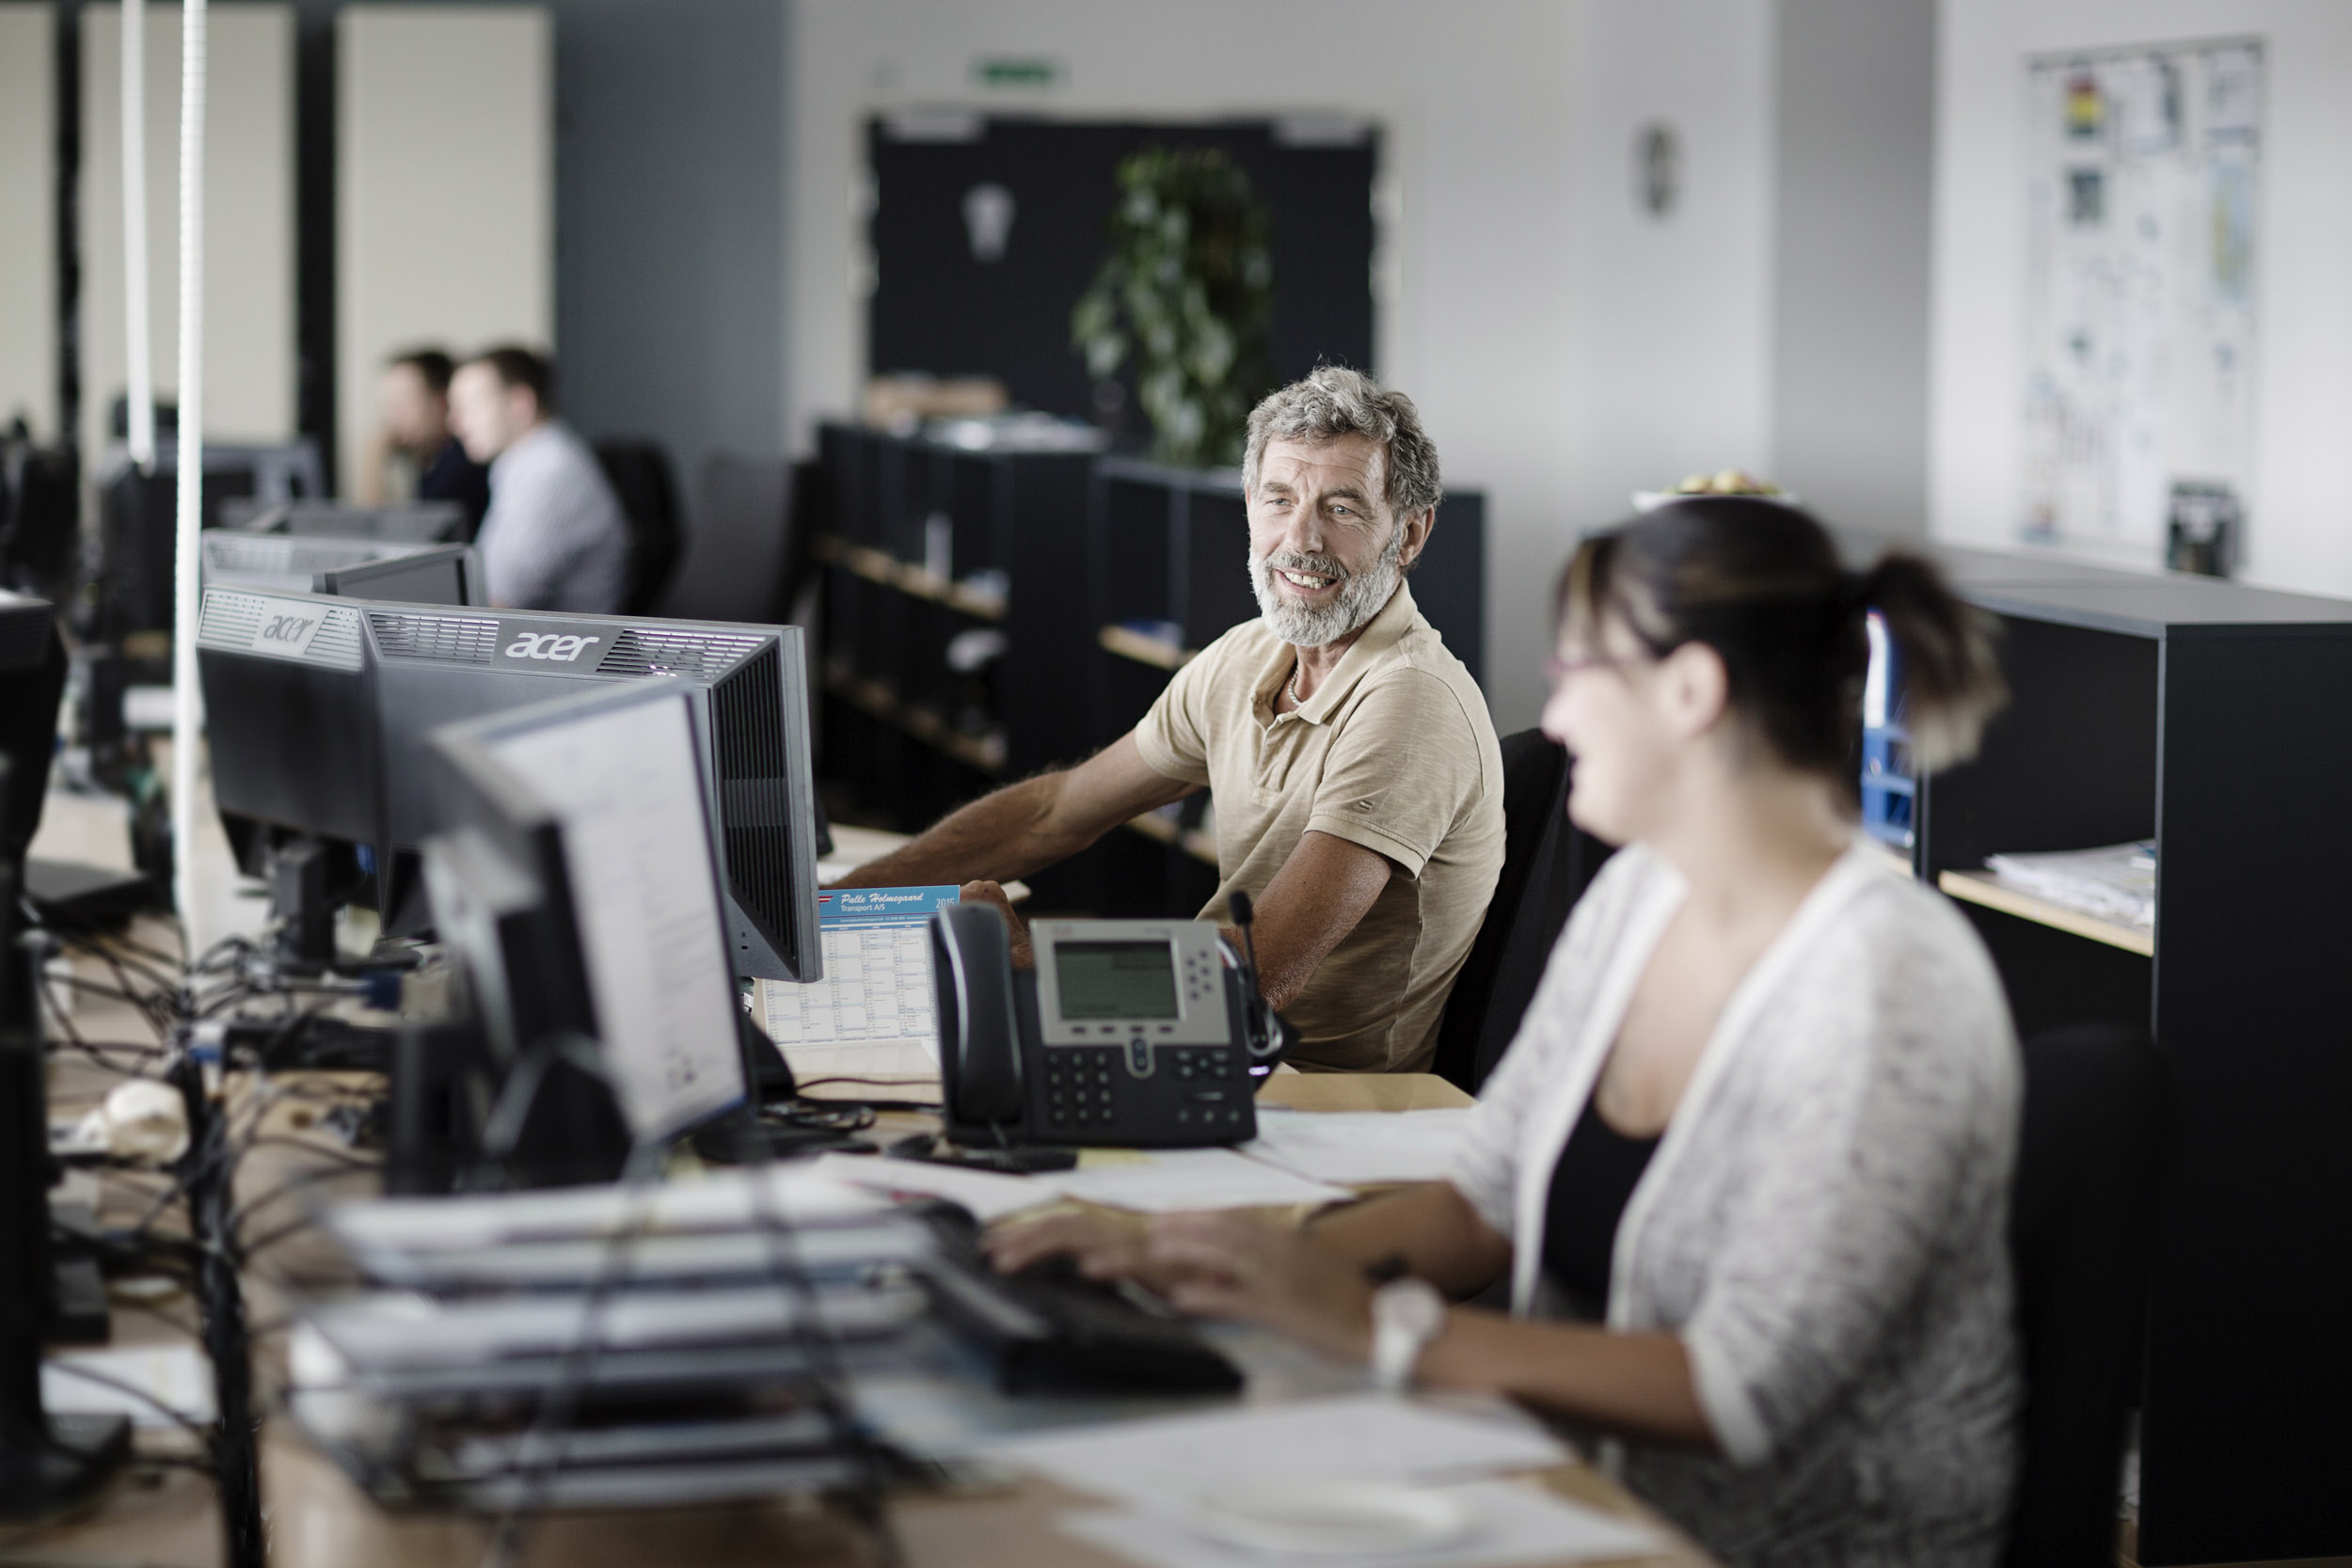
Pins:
<point x="1129" y="1033"/>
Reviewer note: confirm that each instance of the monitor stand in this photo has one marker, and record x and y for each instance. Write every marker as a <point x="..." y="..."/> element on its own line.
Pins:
<point x="44" y="1460"/>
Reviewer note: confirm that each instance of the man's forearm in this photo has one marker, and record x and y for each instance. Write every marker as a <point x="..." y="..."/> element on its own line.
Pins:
<point x="1002" y="836"/>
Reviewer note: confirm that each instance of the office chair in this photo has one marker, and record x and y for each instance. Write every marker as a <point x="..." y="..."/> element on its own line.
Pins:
<point x="737" y="553"/>
<point x="2090" y="1156"/>
<point x="639" y="475"/>
<point x="1523" y="919"/>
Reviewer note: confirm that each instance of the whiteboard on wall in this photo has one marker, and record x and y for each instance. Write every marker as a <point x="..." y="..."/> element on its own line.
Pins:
<point x="444" y="191"/>
<point x="28" y="231"/>
<point x="249" y="358"/>
<point x="2141" y="310"/>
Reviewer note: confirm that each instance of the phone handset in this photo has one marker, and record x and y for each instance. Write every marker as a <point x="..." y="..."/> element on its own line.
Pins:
<point x="979" y="1040"/>
<point x="1265" y="1034"/>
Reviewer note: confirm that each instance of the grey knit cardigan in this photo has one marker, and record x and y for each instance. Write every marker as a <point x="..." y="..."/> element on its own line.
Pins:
<point x="1822" y="1224"/>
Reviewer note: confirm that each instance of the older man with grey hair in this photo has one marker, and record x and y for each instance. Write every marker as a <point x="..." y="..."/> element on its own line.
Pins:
<point x="1359" y="786"/>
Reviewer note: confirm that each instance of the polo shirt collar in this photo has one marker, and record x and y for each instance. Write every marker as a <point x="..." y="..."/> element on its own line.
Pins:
<point x="1379" y="640"/>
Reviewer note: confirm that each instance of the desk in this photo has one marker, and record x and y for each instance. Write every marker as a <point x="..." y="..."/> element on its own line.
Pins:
<point x="316" y="1516"/>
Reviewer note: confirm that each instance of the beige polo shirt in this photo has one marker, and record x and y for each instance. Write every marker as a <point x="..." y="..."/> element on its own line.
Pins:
<point x="1394" y="751"/>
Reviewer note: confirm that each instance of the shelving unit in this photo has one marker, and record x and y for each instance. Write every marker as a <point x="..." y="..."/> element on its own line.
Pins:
<point x="926" y="542"/>
<point x="2212" y="719"/>
<point x="1987" y="891"/>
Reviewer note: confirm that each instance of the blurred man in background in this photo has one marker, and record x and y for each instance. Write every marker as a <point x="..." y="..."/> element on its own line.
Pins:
<point x="414" y="397"/>
<point x="555" y="537"/>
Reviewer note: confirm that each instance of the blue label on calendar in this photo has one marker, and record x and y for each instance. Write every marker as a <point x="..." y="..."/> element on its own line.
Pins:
<point x="873" y="906"/>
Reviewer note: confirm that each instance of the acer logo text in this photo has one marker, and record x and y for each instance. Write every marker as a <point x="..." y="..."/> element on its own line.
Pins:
<point x="549" y="645"/>
<point x="288" y="629"/>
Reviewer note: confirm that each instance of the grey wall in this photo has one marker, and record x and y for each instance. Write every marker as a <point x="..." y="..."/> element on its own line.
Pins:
<point x="1856" y="124"/>
<point x="669" y="223"/>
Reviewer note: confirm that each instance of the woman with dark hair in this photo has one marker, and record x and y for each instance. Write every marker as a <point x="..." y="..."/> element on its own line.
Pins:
<point x="1747" y="1163"/>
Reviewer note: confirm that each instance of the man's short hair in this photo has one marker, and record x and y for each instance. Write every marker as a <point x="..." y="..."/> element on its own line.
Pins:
<point x="430" y="363"/>
<point x="517" y="366"/>
<point x="1335" y="401"/>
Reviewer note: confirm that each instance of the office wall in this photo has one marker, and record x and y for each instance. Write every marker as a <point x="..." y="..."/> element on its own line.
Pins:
<point x="249" y="218"/>
<point x="1671" y="358"/>
<point x="669" y="303"/>
<point x="29" y="216"/>
<point x="444" y="190"/>
<point x="1854" y="128"/>
<point x="2297" y="533"/>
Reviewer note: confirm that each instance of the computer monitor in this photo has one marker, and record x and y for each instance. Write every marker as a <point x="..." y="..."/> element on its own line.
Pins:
<point x="32" y="682"/>
<point x="346" y="567"/>
<point x="414" y="522"/>
<point x="572" y="875"/>
<point x="750" y="681"/>
<point x="292" y="681"/>
<point x="138" y="518"/>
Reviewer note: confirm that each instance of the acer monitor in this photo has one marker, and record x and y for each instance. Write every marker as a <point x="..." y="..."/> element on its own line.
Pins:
<point x="346" y="567"/>
<point x="371" y="681"/>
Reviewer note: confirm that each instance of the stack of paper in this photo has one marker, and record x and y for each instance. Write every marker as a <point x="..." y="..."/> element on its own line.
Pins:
<point x="1171" y="1472"/>
<point x="2117" y="882"/>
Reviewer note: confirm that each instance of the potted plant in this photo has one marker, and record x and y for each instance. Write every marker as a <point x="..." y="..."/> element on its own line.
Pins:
<point x="1187" y="289"/>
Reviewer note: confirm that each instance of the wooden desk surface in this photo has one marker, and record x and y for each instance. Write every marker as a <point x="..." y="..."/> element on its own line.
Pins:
<point x="317" y="1518"/>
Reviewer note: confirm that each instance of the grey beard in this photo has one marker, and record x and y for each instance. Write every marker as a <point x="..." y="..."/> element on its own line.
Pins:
<point x="1361" y="596"/>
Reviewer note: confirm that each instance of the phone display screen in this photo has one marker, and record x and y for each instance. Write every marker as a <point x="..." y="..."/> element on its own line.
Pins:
<point x="1115" y="979"/>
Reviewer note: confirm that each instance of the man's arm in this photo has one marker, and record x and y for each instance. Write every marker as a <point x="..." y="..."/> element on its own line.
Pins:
<point x="1317" y="898"/>
<point x="1028" y="826"/>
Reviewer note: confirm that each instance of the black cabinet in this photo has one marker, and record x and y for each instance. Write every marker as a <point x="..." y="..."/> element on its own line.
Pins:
<point x="2212" y="718"/>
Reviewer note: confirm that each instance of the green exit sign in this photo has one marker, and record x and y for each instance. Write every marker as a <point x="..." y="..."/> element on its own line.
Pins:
<point x="1011" y="70"/>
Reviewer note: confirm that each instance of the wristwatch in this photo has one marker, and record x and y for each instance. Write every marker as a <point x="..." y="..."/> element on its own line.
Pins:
<point x="1407" y="1314"/>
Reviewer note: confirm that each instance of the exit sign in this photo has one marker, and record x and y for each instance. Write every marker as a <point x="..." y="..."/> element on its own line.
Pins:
<point x="1015" y="71"/>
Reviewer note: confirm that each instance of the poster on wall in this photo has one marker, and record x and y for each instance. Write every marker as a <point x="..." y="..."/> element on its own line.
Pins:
<point x="2141" y="310"/>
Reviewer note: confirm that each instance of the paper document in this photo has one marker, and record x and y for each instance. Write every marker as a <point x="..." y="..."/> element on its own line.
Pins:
<point x="173" y="1376"/>
<point x="1357" y="1147"/>
<point x="991" y="1197"/>
<point x="1171" y="1460"/>
<point x="2118" y="882"/>
<point x="870" y="1016"/>
<point x="1170" y="1180"/>
<point x="1507" y="1522"/>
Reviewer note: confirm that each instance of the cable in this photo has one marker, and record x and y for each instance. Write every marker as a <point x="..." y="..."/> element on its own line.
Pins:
<point x="821" y="1352"/>
<point x="538" y="1460"/>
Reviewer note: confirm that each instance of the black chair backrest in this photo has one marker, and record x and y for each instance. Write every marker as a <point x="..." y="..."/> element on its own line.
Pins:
<point x="2081" y="1215"/>
<point x="735" y="561"/>
<point x="1530" y="902"/>
<point x="639" y="475"/>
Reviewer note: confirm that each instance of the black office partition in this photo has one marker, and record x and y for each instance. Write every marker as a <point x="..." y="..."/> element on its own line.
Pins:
<point x="2211" y="718"/>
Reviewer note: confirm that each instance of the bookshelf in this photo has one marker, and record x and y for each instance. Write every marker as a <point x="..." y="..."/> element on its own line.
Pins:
<point x="922" y="545"/>
<point x="2212" y="718"/>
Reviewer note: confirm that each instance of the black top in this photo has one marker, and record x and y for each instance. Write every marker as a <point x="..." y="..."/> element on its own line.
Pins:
<point x="451" y="476"/>
<point x="1590" y="1186"/>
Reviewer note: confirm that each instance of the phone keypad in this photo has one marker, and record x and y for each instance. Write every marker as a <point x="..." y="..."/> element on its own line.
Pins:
<point x="1084" y="1084"/>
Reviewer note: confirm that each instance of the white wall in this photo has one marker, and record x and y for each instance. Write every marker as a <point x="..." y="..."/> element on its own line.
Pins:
<point x="28" y="237"/>
<point x="2300" y="531"/>
<point x="1672" y="353"/>
<point x="248" y="213"/>
<point x="1506" y="136"/>
<point x="444" y="190"/>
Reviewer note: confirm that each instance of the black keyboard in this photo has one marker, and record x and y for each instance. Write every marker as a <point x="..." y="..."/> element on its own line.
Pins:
<point x="1049" y="1329"/>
